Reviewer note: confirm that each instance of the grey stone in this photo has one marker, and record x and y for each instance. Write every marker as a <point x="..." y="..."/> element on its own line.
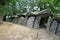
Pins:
<point x="1" y="19"/>
<point x="25" y="20"/>
<point x="54" y="26"/>
<point x="30" y="22"/>
<point x="37" y="22"/>
<point x="20" y="20"/>
<point x="49" y="23"/>
<point x="58" y="30"/>
<point x="15" y="20"/>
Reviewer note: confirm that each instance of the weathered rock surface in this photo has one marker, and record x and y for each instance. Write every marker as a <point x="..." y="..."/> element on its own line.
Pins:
<point x="37" y="22"/>
<point x="1" y="19"/>
<point x="25" y="20"/>
<point x="30" y="22"/>
<point x="21" y="20"/>
<point x="58" y="29"/>
<point x="15" y="20"/>
<point x="54" y="26"/>
<point x="49" y="23"/>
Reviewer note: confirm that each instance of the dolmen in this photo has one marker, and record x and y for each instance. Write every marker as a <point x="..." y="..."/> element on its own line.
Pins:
<point x="36" y="19"/>
<point x="33" y="19"/>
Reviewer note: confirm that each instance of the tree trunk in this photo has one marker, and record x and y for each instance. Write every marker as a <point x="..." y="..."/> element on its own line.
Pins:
<point x="1" y="19"/>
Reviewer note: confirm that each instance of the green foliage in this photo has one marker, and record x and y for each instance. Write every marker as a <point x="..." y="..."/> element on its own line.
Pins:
<point x="20" y="6"/>
<point x="54" y="5"/>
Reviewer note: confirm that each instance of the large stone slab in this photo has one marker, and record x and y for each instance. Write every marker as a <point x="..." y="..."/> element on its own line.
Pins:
<point x="37" y="22"/>
<point x="54" y="26"/>
<point x="30" y="22"/>
<point x="21" y="20"/>
<point x="49" y="23"/>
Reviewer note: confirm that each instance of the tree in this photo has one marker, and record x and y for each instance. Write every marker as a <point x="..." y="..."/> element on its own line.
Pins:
<point x="21" y="6"/>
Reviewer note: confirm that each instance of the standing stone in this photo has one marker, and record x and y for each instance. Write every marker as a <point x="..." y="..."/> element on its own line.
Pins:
<point x="1" y="19"/>
<point x="37" y="22"/>
<point x="15" y="20"/>
<point x="49" y="23"/>
<point x="30" y="22"/>
<point x="58" y="29"/>
<point x="20" y="20"/>
<point x="54" y="26"/>
<point x="25" y="20"/>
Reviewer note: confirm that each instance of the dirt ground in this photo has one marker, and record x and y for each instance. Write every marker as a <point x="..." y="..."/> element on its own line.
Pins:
<point x="10" y="31"/>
